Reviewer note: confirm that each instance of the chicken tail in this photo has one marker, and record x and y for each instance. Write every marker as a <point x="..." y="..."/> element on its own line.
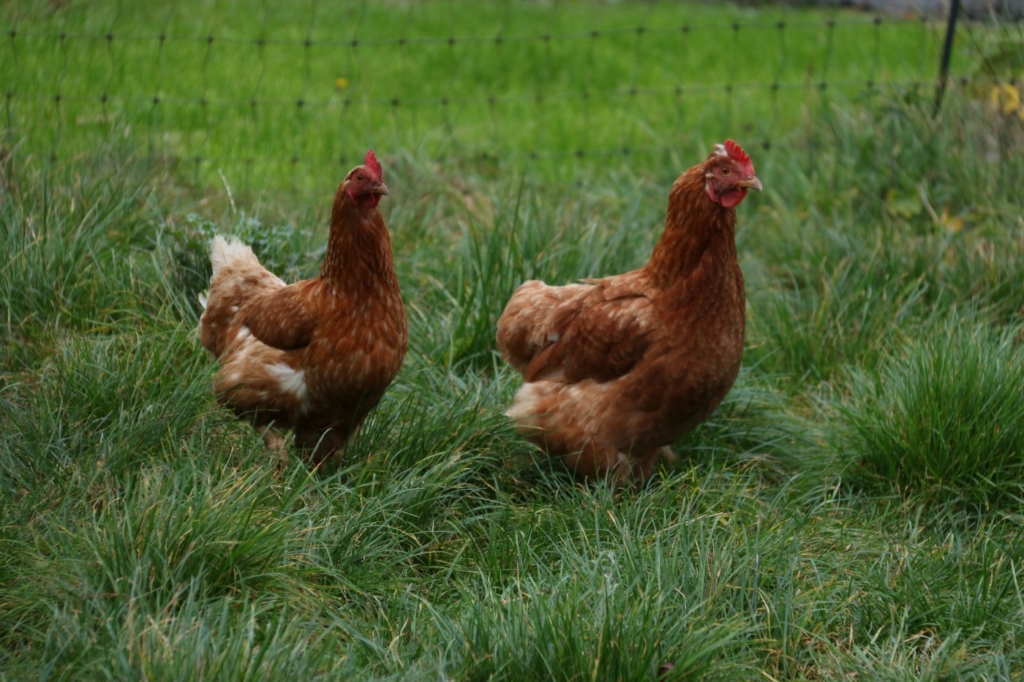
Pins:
<point x="237" y="277"/>
<point x="530" y="322"/>
<point x="224" y="252"/>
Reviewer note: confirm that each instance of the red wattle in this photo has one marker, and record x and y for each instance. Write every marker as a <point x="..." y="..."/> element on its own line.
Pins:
<point x="733" y="198"/>
<point x="365" y="200"/>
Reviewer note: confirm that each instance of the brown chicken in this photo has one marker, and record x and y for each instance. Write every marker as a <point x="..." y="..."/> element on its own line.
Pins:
<point x="317" y="355"/>
<point x="616" y="369"/>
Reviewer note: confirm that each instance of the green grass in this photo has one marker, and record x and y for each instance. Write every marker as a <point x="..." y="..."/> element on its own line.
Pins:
<point x="852" y="510"/>
<point x="945" y="416"/>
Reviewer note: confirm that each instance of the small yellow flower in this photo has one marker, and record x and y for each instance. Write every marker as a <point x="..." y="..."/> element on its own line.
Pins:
<point x="951" y="223"/>
<point x="1005" y="98"/>
<point x="341" y="83"/>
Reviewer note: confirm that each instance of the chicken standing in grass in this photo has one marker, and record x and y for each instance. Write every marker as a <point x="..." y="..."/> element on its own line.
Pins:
<point x="616" y="369"/>
<point x="317" y="355"/>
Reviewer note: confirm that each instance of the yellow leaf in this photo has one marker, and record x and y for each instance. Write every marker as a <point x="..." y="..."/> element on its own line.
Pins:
<point x="341" y="83"/>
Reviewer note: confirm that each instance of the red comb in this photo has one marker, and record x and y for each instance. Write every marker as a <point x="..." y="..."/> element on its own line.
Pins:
<point x="373" y="164"/>
<point x="736" y="152"/>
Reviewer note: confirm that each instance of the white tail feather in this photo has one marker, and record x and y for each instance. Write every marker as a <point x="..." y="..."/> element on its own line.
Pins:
<point x="203" y="300"/>
<point x="224" y="252"/>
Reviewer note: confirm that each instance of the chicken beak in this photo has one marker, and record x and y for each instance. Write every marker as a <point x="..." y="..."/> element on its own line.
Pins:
<point x="751" y="183"/>
<point x="380" y="188"/>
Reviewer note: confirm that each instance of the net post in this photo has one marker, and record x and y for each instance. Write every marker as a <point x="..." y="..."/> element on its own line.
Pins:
<point x="947" y="53"/>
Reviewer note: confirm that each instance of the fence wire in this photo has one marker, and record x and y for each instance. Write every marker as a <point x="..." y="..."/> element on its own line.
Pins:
<point x="277" y="97"/>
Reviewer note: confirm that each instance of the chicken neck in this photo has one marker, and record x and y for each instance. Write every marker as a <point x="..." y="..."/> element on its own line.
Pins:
<point x="694" y="226"/>
<point x="358" y="254"/>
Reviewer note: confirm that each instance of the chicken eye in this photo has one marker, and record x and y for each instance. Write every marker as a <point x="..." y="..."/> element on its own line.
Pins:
<point x="725" y="171"/>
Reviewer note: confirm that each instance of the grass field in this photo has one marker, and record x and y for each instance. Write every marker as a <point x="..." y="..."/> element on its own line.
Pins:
<point x="286" y="94"/>
<point x="853" y="511"/>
